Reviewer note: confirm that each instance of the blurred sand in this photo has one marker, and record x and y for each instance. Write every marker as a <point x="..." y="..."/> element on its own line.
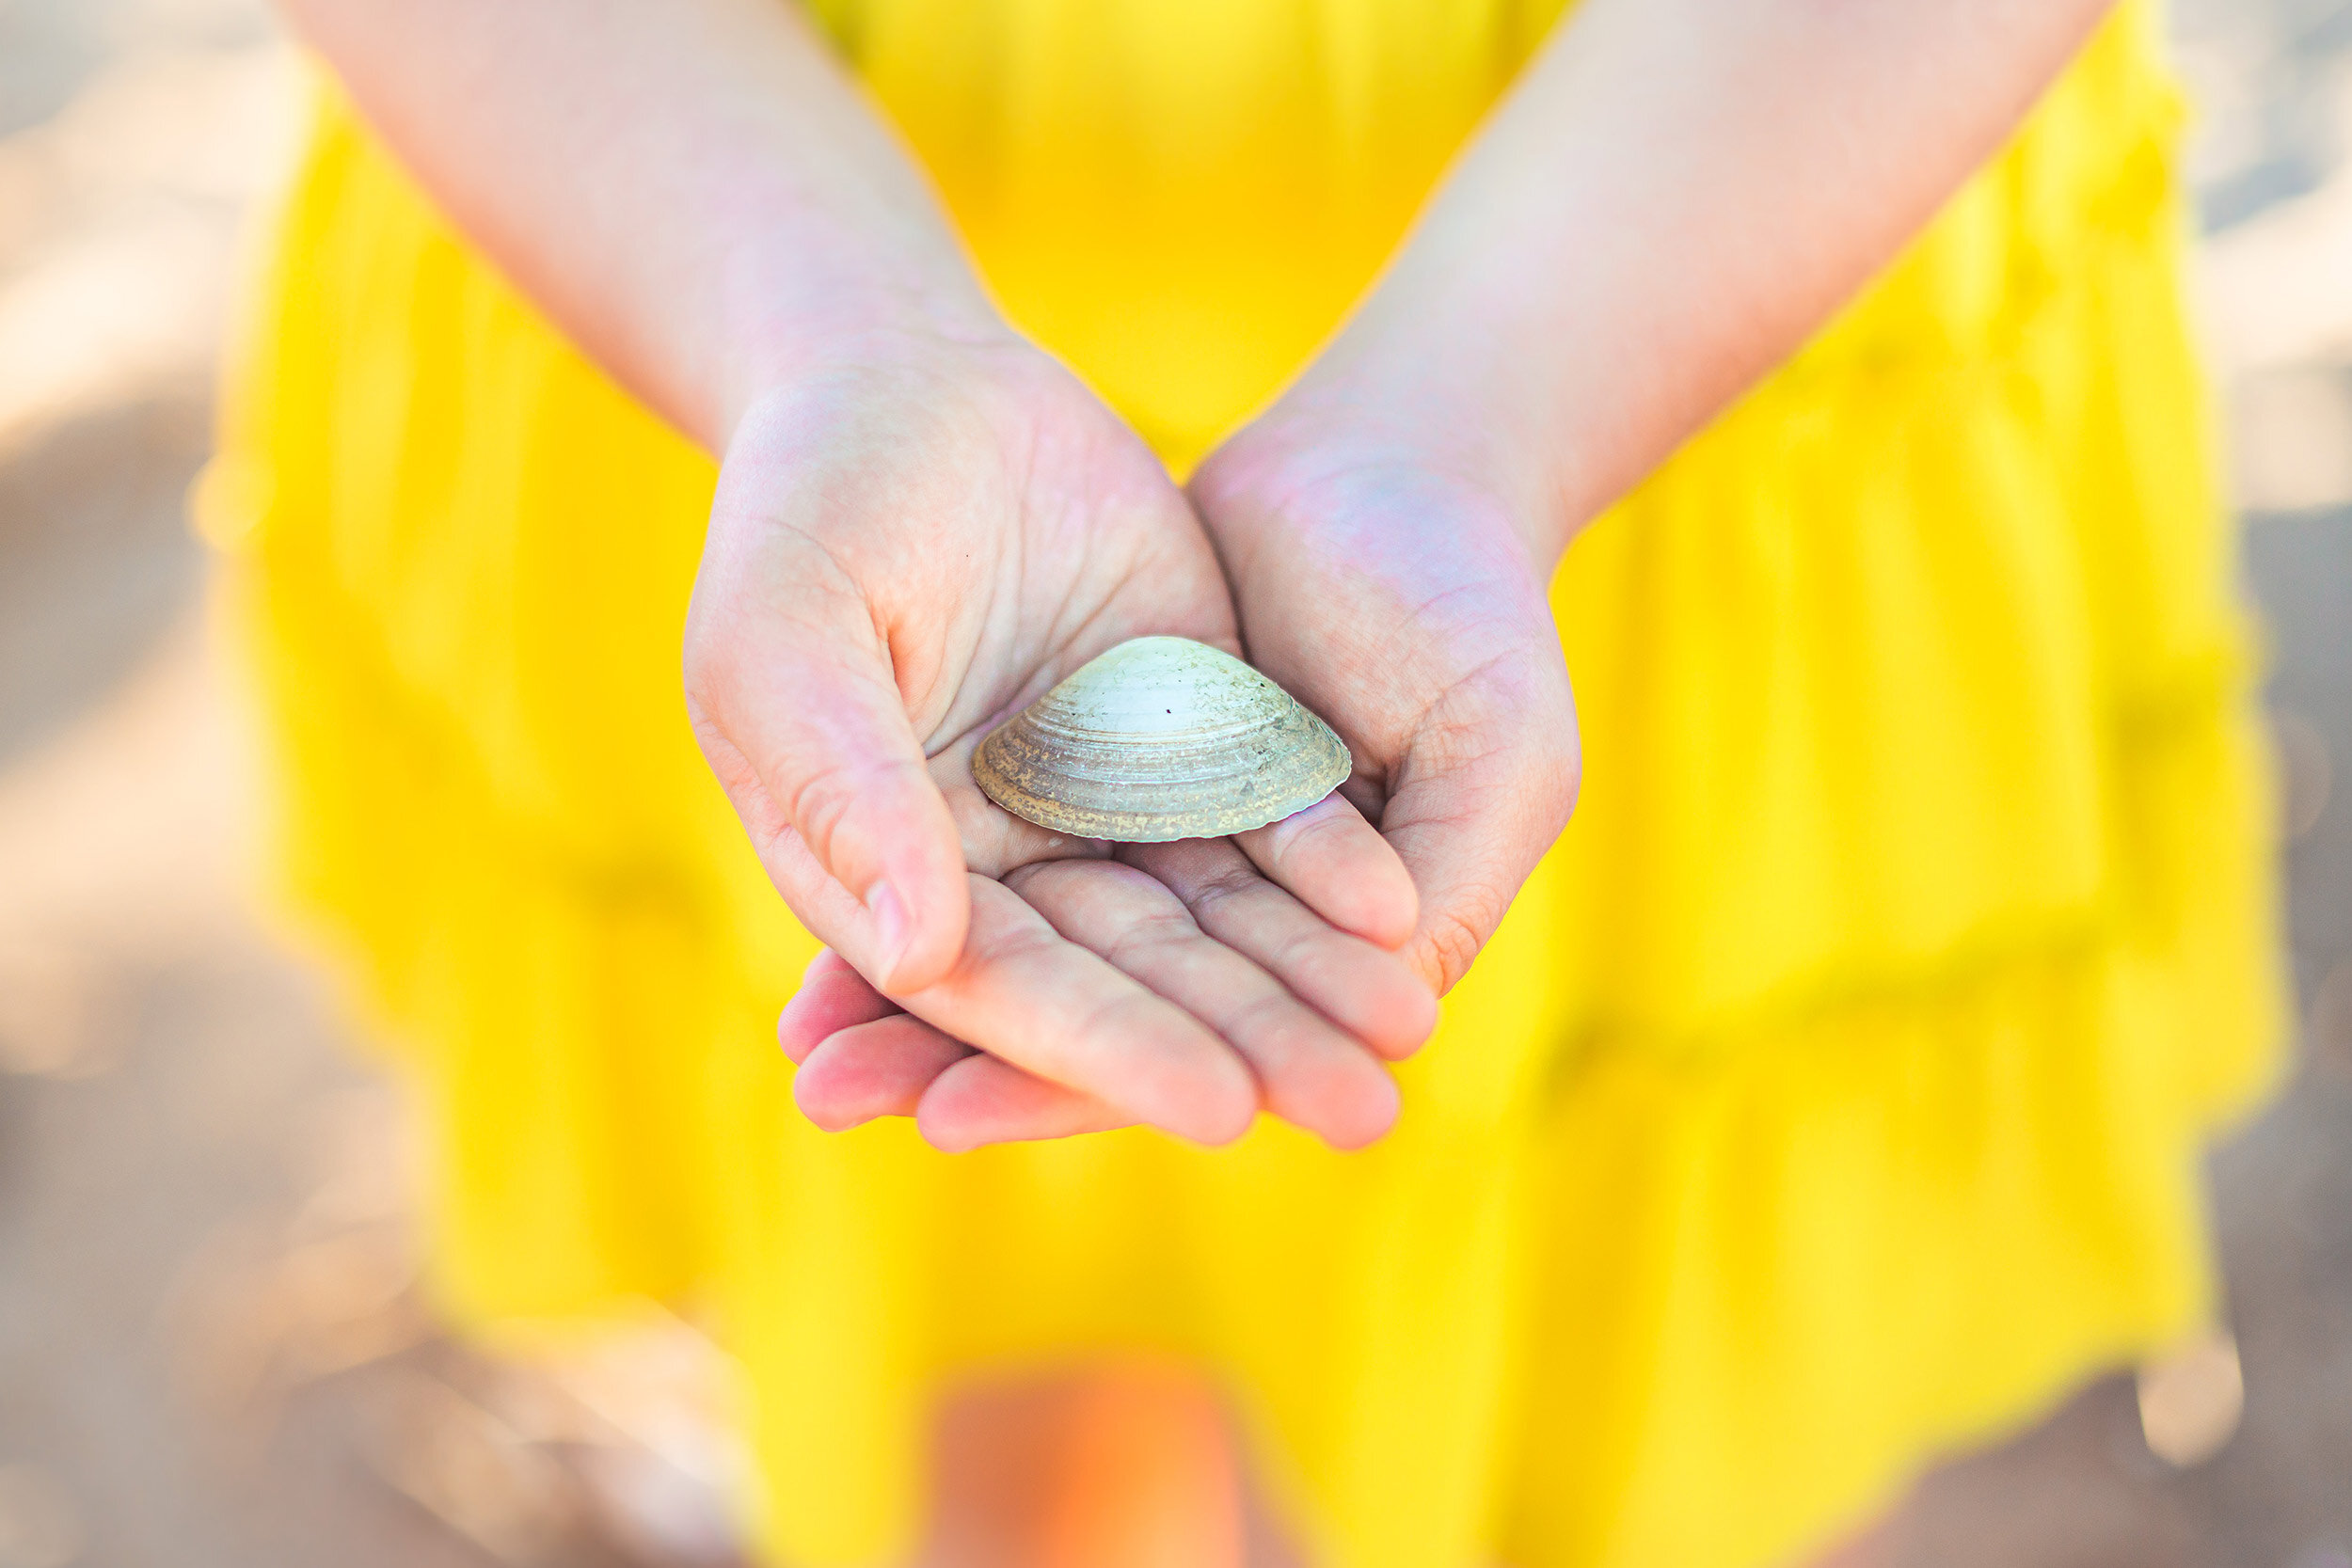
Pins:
<point x="211" y="1348"/>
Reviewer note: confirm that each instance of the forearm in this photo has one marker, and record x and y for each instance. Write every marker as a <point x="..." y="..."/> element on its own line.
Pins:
<point x="1675" y="195"/>
<point x="691" y="189"/>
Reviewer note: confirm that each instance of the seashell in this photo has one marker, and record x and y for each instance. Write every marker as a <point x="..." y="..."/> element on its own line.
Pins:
<point x="1161" y="738"/>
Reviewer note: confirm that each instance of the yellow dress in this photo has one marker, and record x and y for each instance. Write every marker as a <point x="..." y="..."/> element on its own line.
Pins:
<point x="1834" y="1093"/>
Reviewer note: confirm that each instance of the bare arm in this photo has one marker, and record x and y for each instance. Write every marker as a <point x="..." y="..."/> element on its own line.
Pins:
<point x="1671" y="199"/>
<point x="694" y="191"/>
<point x="920" y="523"/>
<point x="1674" y="195"/>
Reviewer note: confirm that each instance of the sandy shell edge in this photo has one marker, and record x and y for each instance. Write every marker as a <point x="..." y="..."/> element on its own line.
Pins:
<point x="1323" y="764"/>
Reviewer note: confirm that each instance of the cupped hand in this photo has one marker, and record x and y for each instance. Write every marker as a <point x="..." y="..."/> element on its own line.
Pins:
<point x="904" y="549"/>
<point x="1400" y="599"/>
<point x="1396" y="583"/>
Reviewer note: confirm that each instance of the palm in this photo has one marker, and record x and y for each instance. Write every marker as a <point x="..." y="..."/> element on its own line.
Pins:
<point x="1020" y="534"/>
<point x="1396" y="598"/>
<point x="968" y="530"/>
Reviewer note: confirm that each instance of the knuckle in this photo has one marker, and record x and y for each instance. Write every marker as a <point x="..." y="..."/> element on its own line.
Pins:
<point x="1005" y="944"/>
<point x="1223" y="885"/>
<point x="1144" y="932"/>
<point x="1298" y="951"/>
<point x="1454" y="933"/>
<point x="1311" y="830"/>
<point x="1036" y="883"/>
<point x="823" y="800"/>
<point x="1118" y="1018"/>
<point x="1268" y="1018"/>
<point x="1451" y="943"/>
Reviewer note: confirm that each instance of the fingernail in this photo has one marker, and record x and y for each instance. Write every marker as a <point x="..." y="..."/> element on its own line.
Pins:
<point x="893" y="930"/>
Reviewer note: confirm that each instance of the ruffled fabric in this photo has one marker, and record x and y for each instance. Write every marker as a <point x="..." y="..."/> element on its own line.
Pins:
<point x="1834" y="1093"/>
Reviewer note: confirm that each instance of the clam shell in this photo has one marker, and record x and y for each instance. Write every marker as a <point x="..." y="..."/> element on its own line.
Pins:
<point x="1161" y="738"/>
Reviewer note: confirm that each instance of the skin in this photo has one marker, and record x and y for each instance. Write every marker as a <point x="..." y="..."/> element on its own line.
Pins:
<point x="922" y="522"/>
<point x="1673" y="196"/>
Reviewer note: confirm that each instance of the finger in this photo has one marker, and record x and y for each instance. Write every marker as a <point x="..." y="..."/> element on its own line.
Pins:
<point x="982" y="1100"/>
<point x="1313" y="1076"/>
<point x="861" y="1058"/>
<point x="1022" y="992"/>
<point x="1336" y="863"/>
<point x="879" y="1068"/>
<point x="795" y="700"/>
<point x="833" y="997"/>
<point x="994" y="840"/>
<point x="1471" y="821"/>
<point x="1373" y="995"/>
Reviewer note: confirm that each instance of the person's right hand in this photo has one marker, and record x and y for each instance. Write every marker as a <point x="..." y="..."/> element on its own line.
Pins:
<point x="906" y="548"/>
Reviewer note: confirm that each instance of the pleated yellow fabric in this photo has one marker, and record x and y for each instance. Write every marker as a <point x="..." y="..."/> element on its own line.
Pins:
<point x="1834" y="1091"/>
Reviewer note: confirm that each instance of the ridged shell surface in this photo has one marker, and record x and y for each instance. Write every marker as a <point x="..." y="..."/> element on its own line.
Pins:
<point x="1161" y="738"/>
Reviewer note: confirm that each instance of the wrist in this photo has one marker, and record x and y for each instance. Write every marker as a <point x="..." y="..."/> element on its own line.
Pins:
<point x="808" y="308"/>
<point x="1363" y="422"/>
<point x="1453" y="393"/>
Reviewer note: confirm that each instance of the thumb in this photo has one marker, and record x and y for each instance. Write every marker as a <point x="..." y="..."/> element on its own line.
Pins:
<point x="794" y="699"/>
<point x="1470" y="825"/>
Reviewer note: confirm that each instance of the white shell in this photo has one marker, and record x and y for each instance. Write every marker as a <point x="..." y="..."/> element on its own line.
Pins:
<point x="1161" y="738"/>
